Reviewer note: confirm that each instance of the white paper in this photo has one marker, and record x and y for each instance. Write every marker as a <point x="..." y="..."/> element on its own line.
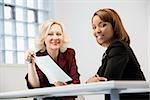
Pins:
<point x="52" y="71"/>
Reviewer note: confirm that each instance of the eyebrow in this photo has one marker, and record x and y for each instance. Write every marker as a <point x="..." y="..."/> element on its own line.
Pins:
<point x="99" y="22"/>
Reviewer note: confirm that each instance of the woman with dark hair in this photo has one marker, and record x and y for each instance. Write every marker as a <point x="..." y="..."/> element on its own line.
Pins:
<point x="119" y="61"/>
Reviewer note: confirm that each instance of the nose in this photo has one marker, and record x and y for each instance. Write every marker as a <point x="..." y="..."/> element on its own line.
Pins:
<point x="55" y="36"/>
<point x="98" y="30"/>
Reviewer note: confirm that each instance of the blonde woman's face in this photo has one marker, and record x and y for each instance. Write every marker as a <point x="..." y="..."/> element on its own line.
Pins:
<point x="54" y="39"/>
<point x="102" y="31"/>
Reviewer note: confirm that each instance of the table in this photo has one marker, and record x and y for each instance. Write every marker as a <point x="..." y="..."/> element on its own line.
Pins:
<point x="108" y="87"/>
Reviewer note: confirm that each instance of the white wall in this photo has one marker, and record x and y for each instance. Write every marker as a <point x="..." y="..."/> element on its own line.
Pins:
<point x="148" y="14"/>
<point x="12" y="77"/>
<point x="76" y="16"/>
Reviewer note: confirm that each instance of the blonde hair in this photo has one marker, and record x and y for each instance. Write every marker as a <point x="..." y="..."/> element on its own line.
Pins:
<point x="44" y="29"/>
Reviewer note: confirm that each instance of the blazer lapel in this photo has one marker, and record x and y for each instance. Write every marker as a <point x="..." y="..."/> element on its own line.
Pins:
<point x="61" y="61"/>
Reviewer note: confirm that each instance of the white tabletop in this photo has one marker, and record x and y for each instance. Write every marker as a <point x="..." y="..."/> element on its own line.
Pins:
<point x="81" y="89"/>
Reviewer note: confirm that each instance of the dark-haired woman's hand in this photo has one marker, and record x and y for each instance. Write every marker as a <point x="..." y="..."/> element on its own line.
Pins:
<point x="96" y="78"/>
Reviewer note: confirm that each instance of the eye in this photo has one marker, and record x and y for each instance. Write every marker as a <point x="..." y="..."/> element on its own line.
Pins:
<point x="58" y="34"/>
<point x="93" y="27"/>
<point x="50" y="34"/>
<point x="104" y="24"/>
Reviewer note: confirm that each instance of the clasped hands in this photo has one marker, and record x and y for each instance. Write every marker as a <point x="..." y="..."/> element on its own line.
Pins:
<point x="96" y="78"/>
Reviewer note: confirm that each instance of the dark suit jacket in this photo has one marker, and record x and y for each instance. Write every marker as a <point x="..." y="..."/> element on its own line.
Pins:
<point x="66" y="62"/>
<point x="119" y="63"/>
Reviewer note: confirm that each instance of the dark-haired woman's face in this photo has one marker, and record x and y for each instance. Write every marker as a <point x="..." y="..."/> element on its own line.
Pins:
<point x="102" y="31"/>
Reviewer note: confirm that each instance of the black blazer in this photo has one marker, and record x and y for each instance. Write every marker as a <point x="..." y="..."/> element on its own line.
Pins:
<point x="119" y="63"/>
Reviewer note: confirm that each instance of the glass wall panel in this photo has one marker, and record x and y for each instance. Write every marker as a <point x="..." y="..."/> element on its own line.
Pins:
<point x="8" y="43"/>
<point x="19" y="20"/>
<point x="31" y="30"/>
<point x="20" y="43"/>
<point x="20" y="29"/>
<point x="31" y="43"/>
<point x="7" y="12"/>
<point x="30" y="3"/>
<point x="9" y="57"/>
<point x="20" y="58"/>
<point x="19" y="2"/>
<point x="8" y="27"/>
<point x="19" y="14"/>
<point x="7" y="1"/>
<point x="31" y="17"/>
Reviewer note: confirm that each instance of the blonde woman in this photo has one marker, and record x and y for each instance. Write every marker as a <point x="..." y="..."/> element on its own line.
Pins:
<point x="52" y="41"/>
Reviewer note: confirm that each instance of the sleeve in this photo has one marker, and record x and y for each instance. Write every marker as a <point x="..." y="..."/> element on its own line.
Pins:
<point x="116" y="62"/>
<point x="43" y="80"/>
<point x="73" y="68"/>
<point x="28" y="84"/>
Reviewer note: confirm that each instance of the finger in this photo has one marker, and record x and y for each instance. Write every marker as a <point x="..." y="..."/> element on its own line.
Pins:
<point x="58" y="82"/>
<point x="102" y="78"/>
<point x="29" y="56"/>
<point x="93" y="79"/>
<point x="65" y="83"/>
<point x="96" y="75"/>
<point x="32" y="54"/>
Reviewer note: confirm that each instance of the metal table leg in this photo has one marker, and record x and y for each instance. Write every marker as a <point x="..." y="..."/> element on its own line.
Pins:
<point x="114" y="94"/>
<point x="38" y="98"/>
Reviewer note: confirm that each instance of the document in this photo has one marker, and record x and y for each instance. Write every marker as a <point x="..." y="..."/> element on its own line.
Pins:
<point x="52" y="71"/>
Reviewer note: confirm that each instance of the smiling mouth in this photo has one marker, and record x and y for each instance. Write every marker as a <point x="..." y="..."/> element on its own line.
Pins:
<point x="55" y="43"/>
<point x="101" y="38"/>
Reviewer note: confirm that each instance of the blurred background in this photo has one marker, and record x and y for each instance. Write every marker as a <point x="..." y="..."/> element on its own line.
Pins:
<point x="19" y="21"/>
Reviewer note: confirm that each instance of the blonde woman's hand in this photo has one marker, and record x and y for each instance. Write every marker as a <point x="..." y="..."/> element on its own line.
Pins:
<point x="29" y="56"/>
<point x="58" y="83"/>
<point x="96" y="78"/>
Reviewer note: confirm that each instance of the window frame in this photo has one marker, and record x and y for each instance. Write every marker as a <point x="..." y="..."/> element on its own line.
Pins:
<point x="35" y="22"/>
